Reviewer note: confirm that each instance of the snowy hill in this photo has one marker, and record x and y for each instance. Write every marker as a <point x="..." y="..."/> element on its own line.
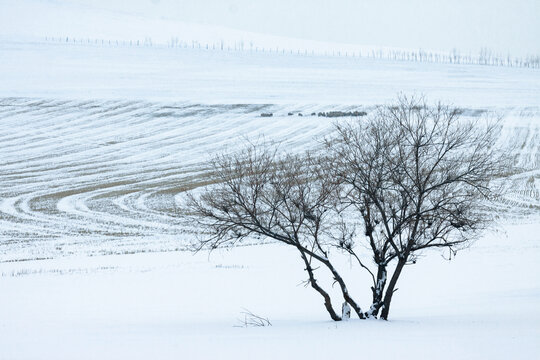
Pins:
<point x="141" y="22"/>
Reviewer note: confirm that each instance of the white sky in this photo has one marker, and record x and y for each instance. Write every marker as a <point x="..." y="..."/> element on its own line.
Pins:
<point x="502" y="25"/>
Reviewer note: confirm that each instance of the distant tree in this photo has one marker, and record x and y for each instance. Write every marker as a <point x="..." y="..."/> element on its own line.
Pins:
<point x="411" y="176"/>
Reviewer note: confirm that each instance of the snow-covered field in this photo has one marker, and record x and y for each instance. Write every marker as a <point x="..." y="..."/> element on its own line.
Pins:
<point x="481" y="305"/>
<point x="98" y="143"/>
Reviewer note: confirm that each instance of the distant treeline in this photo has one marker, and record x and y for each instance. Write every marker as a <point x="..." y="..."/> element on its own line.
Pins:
<point x="342" y="113"/>
<point x="484" y="57"/>
<point x="325" y="114"/>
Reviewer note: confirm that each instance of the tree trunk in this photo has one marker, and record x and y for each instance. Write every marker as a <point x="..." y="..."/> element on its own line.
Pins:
<point x="390" y="290"/>
<point x="378" y="291"/>
<point x="320" y="290"/>
<point x="344" y="290"/>
<point x="327" y="300"/>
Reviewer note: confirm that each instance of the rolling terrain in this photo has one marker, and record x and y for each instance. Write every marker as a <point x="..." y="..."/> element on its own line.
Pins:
<point x="99" y="144"/>
<point x="106" y="177"/>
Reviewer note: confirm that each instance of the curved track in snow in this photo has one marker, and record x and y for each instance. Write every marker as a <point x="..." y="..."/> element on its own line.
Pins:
<point x="101" y="177"/>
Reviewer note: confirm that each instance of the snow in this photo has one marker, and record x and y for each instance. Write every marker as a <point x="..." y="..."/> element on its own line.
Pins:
<point x="98" y="144"/>
<point x="482" y="304"/>
<point x="345" y="312"/>
<point x="85" y="71"/>
<point x="148" y="22"/>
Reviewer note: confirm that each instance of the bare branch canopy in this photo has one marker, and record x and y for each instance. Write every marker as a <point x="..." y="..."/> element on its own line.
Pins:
<point x="411" y="176"/>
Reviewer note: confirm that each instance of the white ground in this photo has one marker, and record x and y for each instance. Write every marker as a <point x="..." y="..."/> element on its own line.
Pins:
<point x="482" y="304"/>
<point x="98" y="143"/>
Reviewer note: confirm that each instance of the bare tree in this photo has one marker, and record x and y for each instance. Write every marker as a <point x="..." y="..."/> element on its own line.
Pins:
<point x="411" y="176"/>
<point x="263" y="194"/>
<point x="418" y="177"/>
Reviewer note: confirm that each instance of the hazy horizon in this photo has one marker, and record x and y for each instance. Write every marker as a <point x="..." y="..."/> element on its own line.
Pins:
<point x="501" y="26"/>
